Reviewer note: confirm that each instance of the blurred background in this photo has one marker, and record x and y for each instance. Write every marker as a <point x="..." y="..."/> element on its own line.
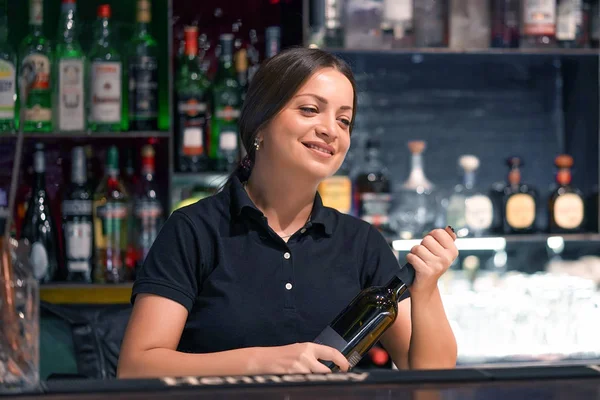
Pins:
<point x="480" y="114"/>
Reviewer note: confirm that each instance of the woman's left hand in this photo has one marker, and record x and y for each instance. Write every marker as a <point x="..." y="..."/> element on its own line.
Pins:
<point x="431" y="259"/>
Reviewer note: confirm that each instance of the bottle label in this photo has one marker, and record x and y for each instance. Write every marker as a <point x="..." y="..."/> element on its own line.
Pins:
<point x="71" y="114"/>
<point x="227" y="113"/>
<point x="148" y="214"/>
<point x="41" y="83"/>
<point x="568" y="211"/>
<point x="106" y="92"/>
<point x="569" y="19"/>
<point x="192" y="122"/>
<point x="539" y="17"/>
<point x="39" y="259"/>
<point x="374" y="208"/>
<point x="398" y="10"/>
<point x="7" y="90"/>
<point x="143" y="88"/>
<point x="36" y="12"/>
<point x="77" y="208"/>
<point x="112" y="216"/>
<point x="329" y="337"/>
<point x="78" y="246"/>
<point x="520" y="211"/>
<point x="336" y="192"/>
<point x="228" y="140"/>
<point x="479" y="212"/>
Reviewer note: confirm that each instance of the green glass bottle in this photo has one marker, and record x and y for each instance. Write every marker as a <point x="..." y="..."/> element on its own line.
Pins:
<point x="143" y="74"/>
<point x="36" y="53"/>
<point x="8" y="63"/>
<point x="105" y="77"/>
<point x="110" y="223"/>
<point x="227" y="101"/>
<point x="69" y="72"/>
<point x="191" y="92"/>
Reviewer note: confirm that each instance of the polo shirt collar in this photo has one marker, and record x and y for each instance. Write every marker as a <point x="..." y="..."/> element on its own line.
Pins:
<point x="241" y="202"/>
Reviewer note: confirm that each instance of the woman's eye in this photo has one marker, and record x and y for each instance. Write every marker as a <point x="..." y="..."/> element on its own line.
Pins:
<point x="345" y="121"/>
<point x="309" y="110"/>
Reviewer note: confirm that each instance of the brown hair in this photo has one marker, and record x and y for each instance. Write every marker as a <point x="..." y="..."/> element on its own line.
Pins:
<point x="272" y="87"/>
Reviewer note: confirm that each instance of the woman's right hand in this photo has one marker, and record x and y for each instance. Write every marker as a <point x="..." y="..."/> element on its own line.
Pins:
<point x="298" y="358"/>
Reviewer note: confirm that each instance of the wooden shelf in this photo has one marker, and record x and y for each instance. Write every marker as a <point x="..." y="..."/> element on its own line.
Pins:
<point x="88" y="135"/>
<point x="74" y="293"/>
<point x="483" y="51"/>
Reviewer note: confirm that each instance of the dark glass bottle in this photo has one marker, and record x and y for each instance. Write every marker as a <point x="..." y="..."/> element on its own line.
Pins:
<point x="519" y="202"/>
<point x="505" y="23"/>
<point x="78" y="221"/>
<point x="566" y="204"/>
<point x="38" y="227"/>
<point x="360" y="325"/>
<point x="227" y="101"/>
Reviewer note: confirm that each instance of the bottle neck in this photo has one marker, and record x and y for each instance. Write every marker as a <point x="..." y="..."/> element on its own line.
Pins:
<point x="469" y="179"/>
<point x="103" y="30"/>
<point x="36" y="16"/>
<point x="141" y="28"/>
<point x="417" y="178"/>
<point x="396" y="286"/>
<point x="67" y="33"/>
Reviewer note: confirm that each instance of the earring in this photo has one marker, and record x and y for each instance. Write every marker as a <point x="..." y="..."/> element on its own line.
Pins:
<point x="256" y="144"/>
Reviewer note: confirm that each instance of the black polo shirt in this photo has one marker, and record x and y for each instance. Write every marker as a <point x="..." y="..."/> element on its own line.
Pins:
<point x="244" y="286"/>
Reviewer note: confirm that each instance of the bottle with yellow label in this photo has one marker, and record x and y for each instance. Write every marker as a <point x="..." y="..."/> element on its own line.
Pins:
<point x="519" y="202"/>
<point x="565" y="205"/>
<point x="336" y="191"/>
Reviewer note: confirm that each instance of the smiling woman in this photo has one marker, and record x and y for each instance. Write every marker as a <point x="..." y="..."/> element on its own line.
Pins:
<point x="242" y="282"/>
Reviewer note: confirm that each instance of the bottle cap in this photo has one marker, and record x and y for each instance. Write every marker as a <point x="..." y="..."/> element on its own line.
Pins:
<point x="514" y="161"/>
<point x="417" y="146"/>
<point x="469" y="162"/>
<point x="191" y="40"/>
<point x="563" y="161"/>
<point x="104" y="11"/>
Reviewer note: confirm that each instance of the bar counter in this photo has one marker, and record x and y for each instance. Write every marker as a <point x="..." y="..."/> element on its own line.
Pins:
<point x="529" y="382"/>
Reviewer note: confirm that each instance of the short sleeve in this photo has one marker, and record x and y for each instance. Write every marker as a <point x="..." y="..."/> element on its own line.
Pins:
<point x="172" y="266"/>
<point x="380" y="262"/>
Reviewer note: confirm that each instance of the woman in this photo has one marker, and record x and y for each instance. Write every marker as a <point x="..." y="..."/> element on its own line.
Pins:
<point x="242" y="282"/>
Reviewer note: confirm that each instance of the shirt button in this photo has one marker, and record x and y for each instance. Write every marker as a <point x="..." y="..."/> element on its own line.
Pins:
<point x="287" y="255"/>
<point x="288" y="286"/>
<point x="302" y="230"/>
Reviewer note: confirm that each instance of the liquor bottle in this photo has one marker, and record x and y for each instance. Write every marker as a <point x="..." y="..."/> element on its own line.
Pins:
<point x="372" y="195"/>
<point x="566" y="204"/>
<point x="539" y="23"/>
<point x="253" y="55"/>
<point x="227" y="100"/>
<point x="70" y="72"/>
<point x="469" y="211"/>
<point x="110" y="223"/>
<point x="519" y="202"/>
<point x="147" y="209"/>
<point x="594" y="24"/>
<point x="361" y="323"/>
<point x="398" y="24"/>
<point x="8" y="71"/>
<point x="131" y="184"/>
<point x="241" y="67"/>
<point x="38" y="225"/>
<point x="105" y="77"/>
<point x="505" y="23"/>
<point x="571" y="23"/>
<point x="469" y="25"/>
<point x="272" y="41"/>
<point x="414" y="211"/>
<point x="431" y="23"/>
<point x="78" y="221"/>
<point x="192" y="97"/>
<point x="336" y="191"/>
<point x="35" y="53"/>
<point x="143" y="73"/>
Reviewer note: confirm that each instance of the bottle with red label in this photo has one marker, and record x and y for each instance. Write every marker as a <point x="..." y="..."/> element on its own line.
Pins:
<point x="191" y="92"/>
<point x="36" y="55"/>
<point x="226" y="105"/>
<point x="566" y="204"/>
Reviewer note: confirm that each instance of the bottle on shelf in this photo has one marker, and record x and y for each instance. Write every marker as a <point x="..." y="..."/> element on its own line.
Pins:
<point x="505" y="23"/>
<point x="226" y="104"/>
<point x="519" y="201"/>
<point x="105" y="77"/>
<point x="398" y="24"/>
<point x="469" y="24"/>
<point x="359" y="326"/>
<point x="415" y="209"/>
<point x="110" y="223"/>
<point x="566" y="204"/>
<point x="572" y="23"/>
<point x="78" y="221"/>
<point x="538" y="23"/>
<point x="143" y="73"/>
<point x="373" y="189"/>
<point x="36" y="53"/>
<point x="8" y="73"/>
<point x="469" y="211"/>
<point x="131" y="183"/>
<point x="272" y="41"/>
<point x="192" y="99"/>
<point x="69" y="74"/>
<point x="38" y="224"/>
<point x="253" y="55"/>
<point x="148" y="210"/>
<point x="431" y="23"/>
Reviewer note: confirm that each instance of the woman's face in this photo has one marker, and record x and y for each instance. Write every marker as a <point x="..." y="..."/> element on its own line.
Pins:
<point x="311" y="134"/>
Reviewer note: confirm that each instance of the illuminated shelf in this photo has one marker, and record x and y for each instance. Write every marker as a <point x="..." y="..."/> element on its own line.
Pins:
<point x="88" y="135"/>
<point x="498" y="243"/>
<point x="210" y="179"/>
<point x="74" y="293"/>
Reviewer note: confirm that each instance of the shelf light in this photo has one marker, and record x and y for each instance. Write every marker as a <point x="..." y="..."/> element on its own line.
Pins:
<point x="487" y="243"/>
